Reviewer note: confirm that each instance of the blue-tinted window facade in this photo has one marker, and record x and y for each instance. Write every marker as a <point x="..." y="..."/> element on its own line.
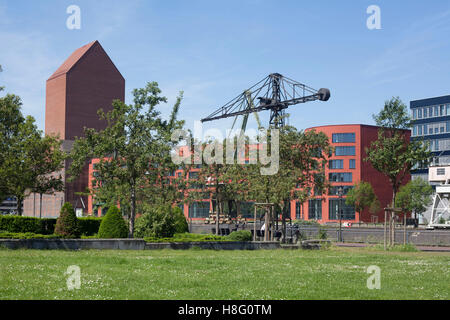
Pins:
<point x="340" y="177"/>
<point x="345" y="151"/>
<point x="352" y="164"/>
<point x="315" y="209"/>
<point x="336" y="206"/>
<point x="199" y="209"/>
<point x="336" y="164"/>
<point x="343" y="137"/>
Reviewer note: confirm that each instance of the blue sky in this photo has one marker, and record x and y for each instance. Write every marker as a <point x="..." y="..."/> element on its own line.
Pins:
<point x="214" y="50"/>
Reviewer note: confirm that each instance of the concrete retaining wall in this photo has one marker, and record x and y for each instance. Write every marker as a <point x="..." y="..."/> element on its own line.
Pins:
<point x="130" y="244"/>
<point x="74" y="244"/>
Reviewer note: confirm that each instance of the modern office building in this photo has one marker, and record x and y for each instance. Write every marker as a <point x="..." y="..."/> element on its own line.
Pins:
<point x="431" y="118"/>
<point x="346" y="168"/>
<point x="432" y="124"/>
<point x="87" y="81"/>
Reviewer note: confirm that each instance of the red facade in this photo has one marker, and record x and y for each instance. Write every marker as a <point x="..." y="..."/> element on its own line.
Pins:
<point x="87" y="81"/>
<point x="351" y="167"/>
<point x="361" y="171"/>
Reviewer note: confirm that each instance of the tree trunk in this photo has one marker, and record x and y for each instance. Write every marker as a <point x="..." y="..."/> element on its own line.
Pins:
<point x="19" y="206"/>
<point x="132" y="211"/>
<point x="217" y="217"/>
<point x="34" y="204"/>
<point x="40" y="205"/>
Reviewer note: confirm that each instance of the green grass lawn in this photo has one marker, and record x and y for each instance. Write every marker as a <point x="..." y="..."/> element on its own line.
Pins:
<point x="336" y="273"/>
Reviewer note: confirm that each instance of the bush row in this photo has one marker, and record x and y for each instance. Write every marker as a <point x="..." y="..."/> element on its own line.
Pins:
<point x="27" y="235"/>
<point x="242" y="235"/>
<point x="45" y="226"/>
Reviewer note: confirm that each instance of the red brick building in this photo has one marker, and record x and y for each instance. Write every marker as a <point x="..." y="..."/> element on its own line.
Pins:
<point x="346" y="168"/>
<point x="87" y="81"/>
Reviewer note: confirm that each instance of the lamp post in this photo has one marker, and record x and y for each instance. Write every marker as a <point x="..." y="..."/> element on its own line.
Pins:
<point x="340" y="194"/>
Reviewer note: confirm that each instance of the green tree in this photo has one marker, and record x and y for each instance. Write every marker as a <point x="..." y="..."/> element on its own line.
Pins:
<point x="393" y="154"/>
<point x="362" y="196"/>
<point x="302" y="162"/>
<point x="48" y="159"/>
<point x="113" y="225"/>
<point x="67" y="224"/>
<point x="135" y="143"/>
<point x="415" y="196"/>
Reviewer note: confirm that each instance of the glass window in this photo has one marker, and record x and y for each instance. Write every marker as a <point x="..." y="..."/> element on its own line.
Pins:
<point x="425" y="130"/>
<point x="199" y="209"/>
<point x="442" y="110"/>
<point x="441" y="129"/>
<point x="436" y="111"/>
<point x="419" y="132"/>
<point x="414" y="115"/>
<point x="343" y="137"/>
<point x="298" y="210"/>
<point x="352" y="164"/>
<point x="334" y="190"/>
<point x="336" y="164"/>
<point x="345" y="151"/>
<point x="425" y="113"/>
<point x="247" y="209"/>
<point x="447" y="126"/>
<point x="430" y="111"/>
<point x="414" y="131"/>
<point x="447" y="108"/>
<point x="436" y="129"/>
<point x="337" y="206"/>
<point x="436" y="145"/>
<point x="340" y="177"/>
<point x="193" y="175"/>
<point x="315" y="209"/>
<point x="419" y="113"/>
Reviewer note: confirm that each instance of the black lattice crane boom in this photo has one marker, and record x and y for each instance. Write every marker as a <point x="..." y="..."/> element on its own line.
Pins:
<point x="275" y="93"/>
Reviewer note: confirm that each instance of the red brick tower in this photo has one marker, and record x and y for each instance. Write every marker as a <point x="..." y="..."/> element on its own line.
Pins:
<point x="87" y="81"/>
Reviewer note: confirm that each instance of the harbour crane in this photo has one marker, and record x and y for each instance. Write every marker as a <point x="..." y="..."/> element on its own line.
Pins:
<point x="275" y="93"/>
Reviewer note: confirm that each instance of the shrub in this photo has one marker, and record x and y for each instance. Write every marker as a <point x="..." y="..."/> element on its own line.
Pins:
<point x="27" y="235"/>
<point x="306" y="223"/>
<point x="322" y="233"/>
<point x="89" y="226"/>
<point x="241" y="235"/>
<point x="67" y="222"/>
<point x="113" y="225"/>
<point x="156" y="222"/>
<point x="20" y="224"/>
<point x="188" y="237"/>
<point x="181" y="225"/>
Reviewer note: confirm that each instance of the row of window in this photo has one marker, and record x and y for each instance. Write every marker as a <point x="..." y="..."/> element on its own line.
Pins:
<point x="339" y="164"/>
<point x="431" y="128"/>
<point x="343" y="137"/>
<point x="345" y="151"/>
<point x="340" y="177"/>
<point x="431" y="112"/>
<point x="335" y="206"/>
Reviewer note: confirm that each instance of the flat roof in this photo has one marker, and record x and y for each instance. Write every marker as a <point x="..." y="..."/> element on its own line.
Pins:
<point x="429" y="101"/>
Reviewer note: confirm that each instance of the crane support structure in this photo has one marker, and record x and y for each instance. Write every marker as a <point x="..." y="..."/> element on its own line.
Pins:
<point x="275" y="93"/>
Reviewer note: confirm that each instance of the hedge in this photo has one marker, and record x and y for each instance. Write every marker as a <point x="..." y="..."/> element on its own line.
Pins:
<point x="188" y="237"/>
<point x="27" y="235"/>
<point x="18" y="224"/>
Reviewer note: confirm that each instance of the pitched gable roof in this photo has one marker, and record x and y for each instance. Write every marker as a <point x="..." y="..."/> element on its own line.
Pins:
<point x="72" y="60"/>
